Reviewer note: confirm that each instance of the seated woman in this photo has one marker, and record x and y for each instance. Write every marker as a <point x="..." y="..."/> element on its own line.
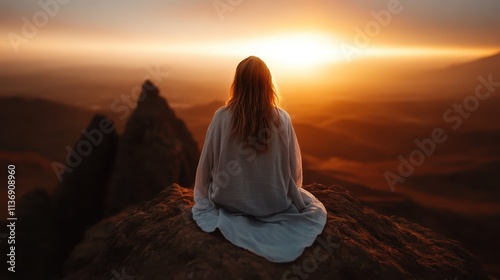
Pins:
<point x="249" y="177"/>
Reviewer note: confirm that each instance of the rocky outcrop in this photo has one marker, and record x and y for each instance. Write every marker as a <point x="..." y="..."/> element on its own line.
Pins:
<point x="102" y="175"/>
<point x="155" y="150"/>
<point x="93" y="242"/>
<point x="78" y="201"/>
<point x="50" y="225"/>
<point x="161" y="241"/>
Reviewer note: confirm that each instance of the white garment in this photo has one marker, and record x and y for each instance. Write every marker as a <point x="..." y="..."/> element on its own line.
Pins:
<point x="256" y="201"/>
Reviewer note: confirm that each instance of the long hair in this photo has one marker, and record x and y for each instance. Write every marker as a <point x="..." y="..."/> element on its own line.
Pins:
<point x="253" y="101"/>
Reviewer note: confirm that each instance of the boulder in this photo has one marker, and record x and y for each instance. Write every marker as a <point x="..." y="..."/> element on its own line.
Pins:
<point x="160" y="240"/>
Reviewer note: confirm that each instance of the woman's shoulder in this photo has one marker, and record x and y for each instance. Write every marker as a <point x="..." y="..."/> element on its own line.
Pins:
<point x="221" y="114"/>
<point x="223" y="110"/>
<point x="284" y="115"/>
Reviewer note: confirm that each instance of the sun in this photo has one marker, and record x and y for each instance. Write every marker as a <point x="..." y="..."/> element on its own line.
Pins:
<point x="295" y="50"/>
<point x="290" y="51"/>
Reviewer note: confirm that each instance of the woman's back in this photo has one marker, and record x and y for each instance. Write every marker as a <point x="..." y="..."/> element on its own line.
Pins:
<point x="249" y="177"/>
<point x="250" y="182"/>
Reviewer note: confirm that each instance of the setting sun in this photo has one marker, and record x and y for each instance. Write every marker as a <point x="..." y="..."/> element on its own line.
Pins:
<point x="290" y="51"/>
<point x="295" y="50"/>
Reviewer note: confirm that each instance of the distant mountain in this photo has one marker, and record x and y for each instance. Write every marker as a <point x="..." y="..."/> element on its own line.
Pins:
<point x="324" y="144"/>
<point x="41" y="126"/>
<point x="490" y="64"/>
<point x="466" y="73"/>
<point x="199" y="112"/>
<point x="198" y="117"/>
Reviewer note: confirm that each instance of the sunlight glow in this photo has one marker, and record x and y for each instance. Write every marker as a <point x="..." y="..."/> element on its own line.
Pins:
<point x="425" y="51"/>
<point x="298" y="50"/>
<point x="302" y="53"/>
<point x="301" y="50"/>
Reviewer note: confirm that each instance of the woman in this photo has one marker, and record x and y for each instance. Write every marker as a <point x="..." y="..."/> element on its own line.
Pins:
<point x="249" y="177"/>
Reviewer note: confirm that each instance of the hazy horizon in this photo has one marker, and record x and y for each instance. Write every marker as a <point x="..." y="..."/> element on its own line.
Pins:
<point x="295" y="38"/>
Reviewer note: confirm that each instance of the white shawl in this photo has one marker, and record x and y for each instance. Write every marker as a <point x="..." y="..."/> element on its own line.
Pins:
<point x="256" y="200"/>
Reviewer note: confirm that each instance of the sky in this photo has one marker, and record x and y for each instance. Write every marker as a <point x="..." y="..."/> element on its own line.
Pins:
<point x="291" y="32"/>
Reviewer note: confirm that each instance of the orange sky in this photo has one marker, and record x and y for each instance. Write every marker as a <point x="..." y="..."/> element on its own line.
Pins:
<point x="463" y="23"/>
<point x="290" y="35"/>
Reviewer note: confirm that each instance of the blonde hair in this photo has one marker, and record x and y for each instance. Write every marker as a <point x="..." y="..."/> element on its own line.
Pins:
<point x="253" y="101"/>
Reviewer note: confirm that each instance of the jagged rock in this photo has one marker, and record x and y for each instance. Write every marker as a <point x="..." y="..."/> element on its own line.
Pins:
<point x="37" y="250"/>
<point x="161" y="241"/>
<point x="78" y="201"/>
<point x="155" y="150"/>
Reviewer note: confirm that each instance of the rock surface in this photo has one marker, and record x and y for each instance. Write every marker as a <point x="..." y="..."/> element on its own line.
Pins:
<point x="161" y="241"/>
<point x="155" y="150"/>
<point x="93" y="242"/>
